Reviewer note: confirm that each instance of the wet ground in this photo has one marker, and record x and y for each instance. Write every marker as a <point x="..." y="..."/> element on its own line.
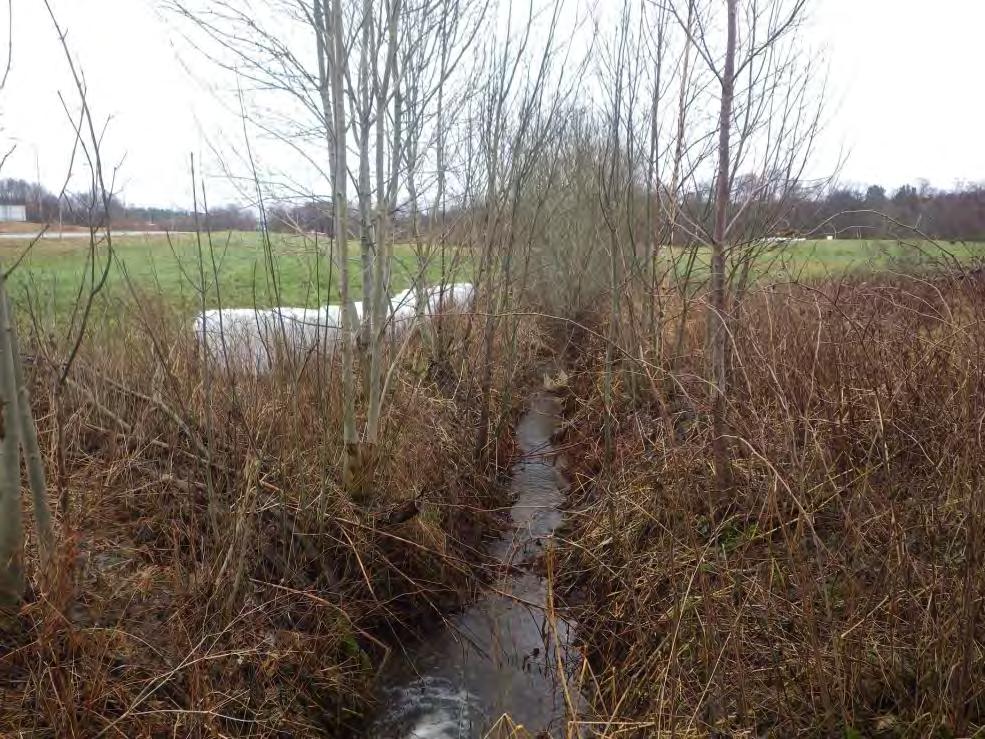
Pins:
<point x="500" y="656"/>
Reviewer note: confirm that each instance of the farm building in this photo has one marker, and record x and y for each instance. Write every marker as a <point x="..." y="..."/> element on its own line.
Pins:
<point x="11" y="212"/>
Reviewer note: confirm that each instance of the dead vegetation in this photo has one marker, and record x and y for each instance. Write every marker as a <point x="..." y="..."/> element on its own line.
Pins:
<point x="836" y="588"/>
<point x="213" y="579"/>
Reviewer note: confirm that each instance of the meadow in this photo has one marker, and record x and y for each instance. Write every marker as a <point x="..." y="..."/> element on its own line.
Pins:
<point x="240" y="269"/>
<point x="820" y="258"/>
<point x="237" y="269"/>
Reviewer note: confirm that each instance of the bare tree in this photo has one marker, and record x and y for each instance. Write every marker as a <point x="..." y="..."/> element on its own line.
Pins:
<point x="520" y="123"/>
<point x="18" y="433"/>
<point x="380" y="68"/>
<point x="767" y="119"/>
<point x="718" y="339"/>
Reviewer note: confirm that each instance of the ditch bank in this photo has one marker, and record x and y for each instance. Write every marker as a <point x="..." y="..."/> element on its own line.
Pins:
<point x="237" y="591"/>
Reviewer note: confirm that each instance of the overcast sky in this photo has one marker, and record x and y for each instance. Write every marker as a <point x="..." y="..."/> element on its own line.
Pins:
<point x="904" y="101"/>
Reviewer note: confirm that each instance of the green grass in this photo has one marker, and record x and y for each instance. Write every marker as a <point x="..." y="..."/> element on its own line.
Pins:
<point x="292" y="272"/>
<point x="817" y="258"/>
<point x="820" y="258"/>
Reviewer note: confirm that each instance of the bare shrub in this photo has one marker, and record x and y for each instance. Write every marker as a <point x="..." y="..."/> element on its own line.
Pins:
<point x="840" y="586"/>
<point x="213" y="577"/>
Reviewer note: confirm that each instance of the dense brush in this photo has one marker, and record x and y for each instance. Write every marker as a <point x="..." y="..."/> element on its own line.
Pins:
<point x="837" y="586"/>
<point x="212" y="577"/>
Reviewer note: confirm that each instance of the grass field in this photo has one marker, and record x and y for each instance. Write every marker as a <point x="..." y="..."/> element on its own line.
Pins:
<point x="822" y="258"/>
<point x="292" y="272"/>
<point x="816" y="258"/>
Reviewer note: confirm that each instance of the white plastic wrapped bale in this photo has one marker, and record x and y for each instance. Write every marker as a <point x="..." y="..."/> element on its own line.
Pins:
<point x="234" y="337"/>
<point x="299" y="330"/>
<point x="249" y="339"/>
<point x="403" y="309"/>
<point x="463" y="294"/>
<point x="454" y="296"/>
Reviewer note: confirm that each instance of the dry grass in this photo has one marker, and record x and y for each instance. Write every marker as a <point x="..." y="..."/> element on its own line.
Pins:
<point x="837" y="589"/>
<point x="213" y="579"/>
<point x="31" y="229"/>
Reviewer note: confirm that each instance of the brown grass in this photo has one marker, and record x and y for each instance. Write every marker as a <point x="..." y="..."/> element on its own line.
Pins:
<point x="837" y="589"/>
<point x="31" y="229"/>
<point x="213" y="579"/>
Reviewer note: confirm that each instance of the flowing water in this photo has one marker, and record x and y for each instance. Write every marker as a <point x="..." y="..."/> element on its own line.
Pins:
<point x="500" y="655"/>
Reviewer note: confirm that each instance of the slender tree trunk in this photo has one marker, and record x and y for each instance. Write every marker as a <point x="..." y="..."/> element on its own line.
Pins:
<point x="488" y="261"/>
<point x="336" y="43"/>
<point x="437" y="209"/>
<point x="11" y="522"/>
<point x="325" y="46"/>
<point x="367" y="243"/>
<point x="673" y="201"/>
<point x="384" y="198"/>
<point x="716" y="317"/>
<point x="655" y="199"/>
<point x="614" y="318"/>
<point x="612" y="188"/>
<point x="29" y="441"/>
<point x="682" y="105"/>
<point x="420" y="288"/>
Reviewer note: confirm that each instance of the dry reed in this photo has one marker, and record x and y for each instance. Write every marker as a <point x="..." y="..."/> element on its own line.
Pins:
<point x="212" y="578"/>
<point x="836" y="589"/>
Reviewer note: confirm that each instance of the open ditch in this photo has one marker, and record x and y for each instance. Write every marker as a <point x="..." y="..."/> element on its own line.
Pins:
<point x="497" y="662"/>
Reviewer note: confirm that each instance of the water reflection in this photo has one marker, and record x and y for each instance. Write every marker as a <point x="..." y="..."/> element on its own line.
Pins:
<point x="498" y="656"/>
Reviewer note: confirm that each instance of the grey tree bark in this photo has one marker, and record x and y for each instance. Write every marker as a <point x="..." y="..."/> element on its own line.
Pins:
<point x="717" y="329"/>
<point x="11" y="520"/>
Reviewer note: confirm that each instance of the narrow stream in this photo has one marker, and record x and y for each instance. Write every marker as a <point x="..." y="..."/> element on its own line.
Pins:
<point x="497" y="657"/>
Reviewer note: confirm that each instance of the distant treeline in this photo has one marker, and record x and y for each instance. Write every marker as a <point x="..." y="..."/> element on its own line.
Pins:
<point x="957" y="214"/>
<point x="79" y="209"/>
<point x="908" y="212"/>
<point x="845" y="212"/>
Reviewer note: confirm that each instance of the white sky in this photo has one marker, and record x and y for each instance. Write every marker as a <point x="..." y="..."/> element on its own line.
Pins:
<point x="904" y="101"/>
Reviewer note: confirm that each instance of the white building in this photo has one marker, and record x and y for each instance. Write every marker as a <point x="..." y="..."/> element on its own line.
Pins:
<point x="13" y="213"/>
